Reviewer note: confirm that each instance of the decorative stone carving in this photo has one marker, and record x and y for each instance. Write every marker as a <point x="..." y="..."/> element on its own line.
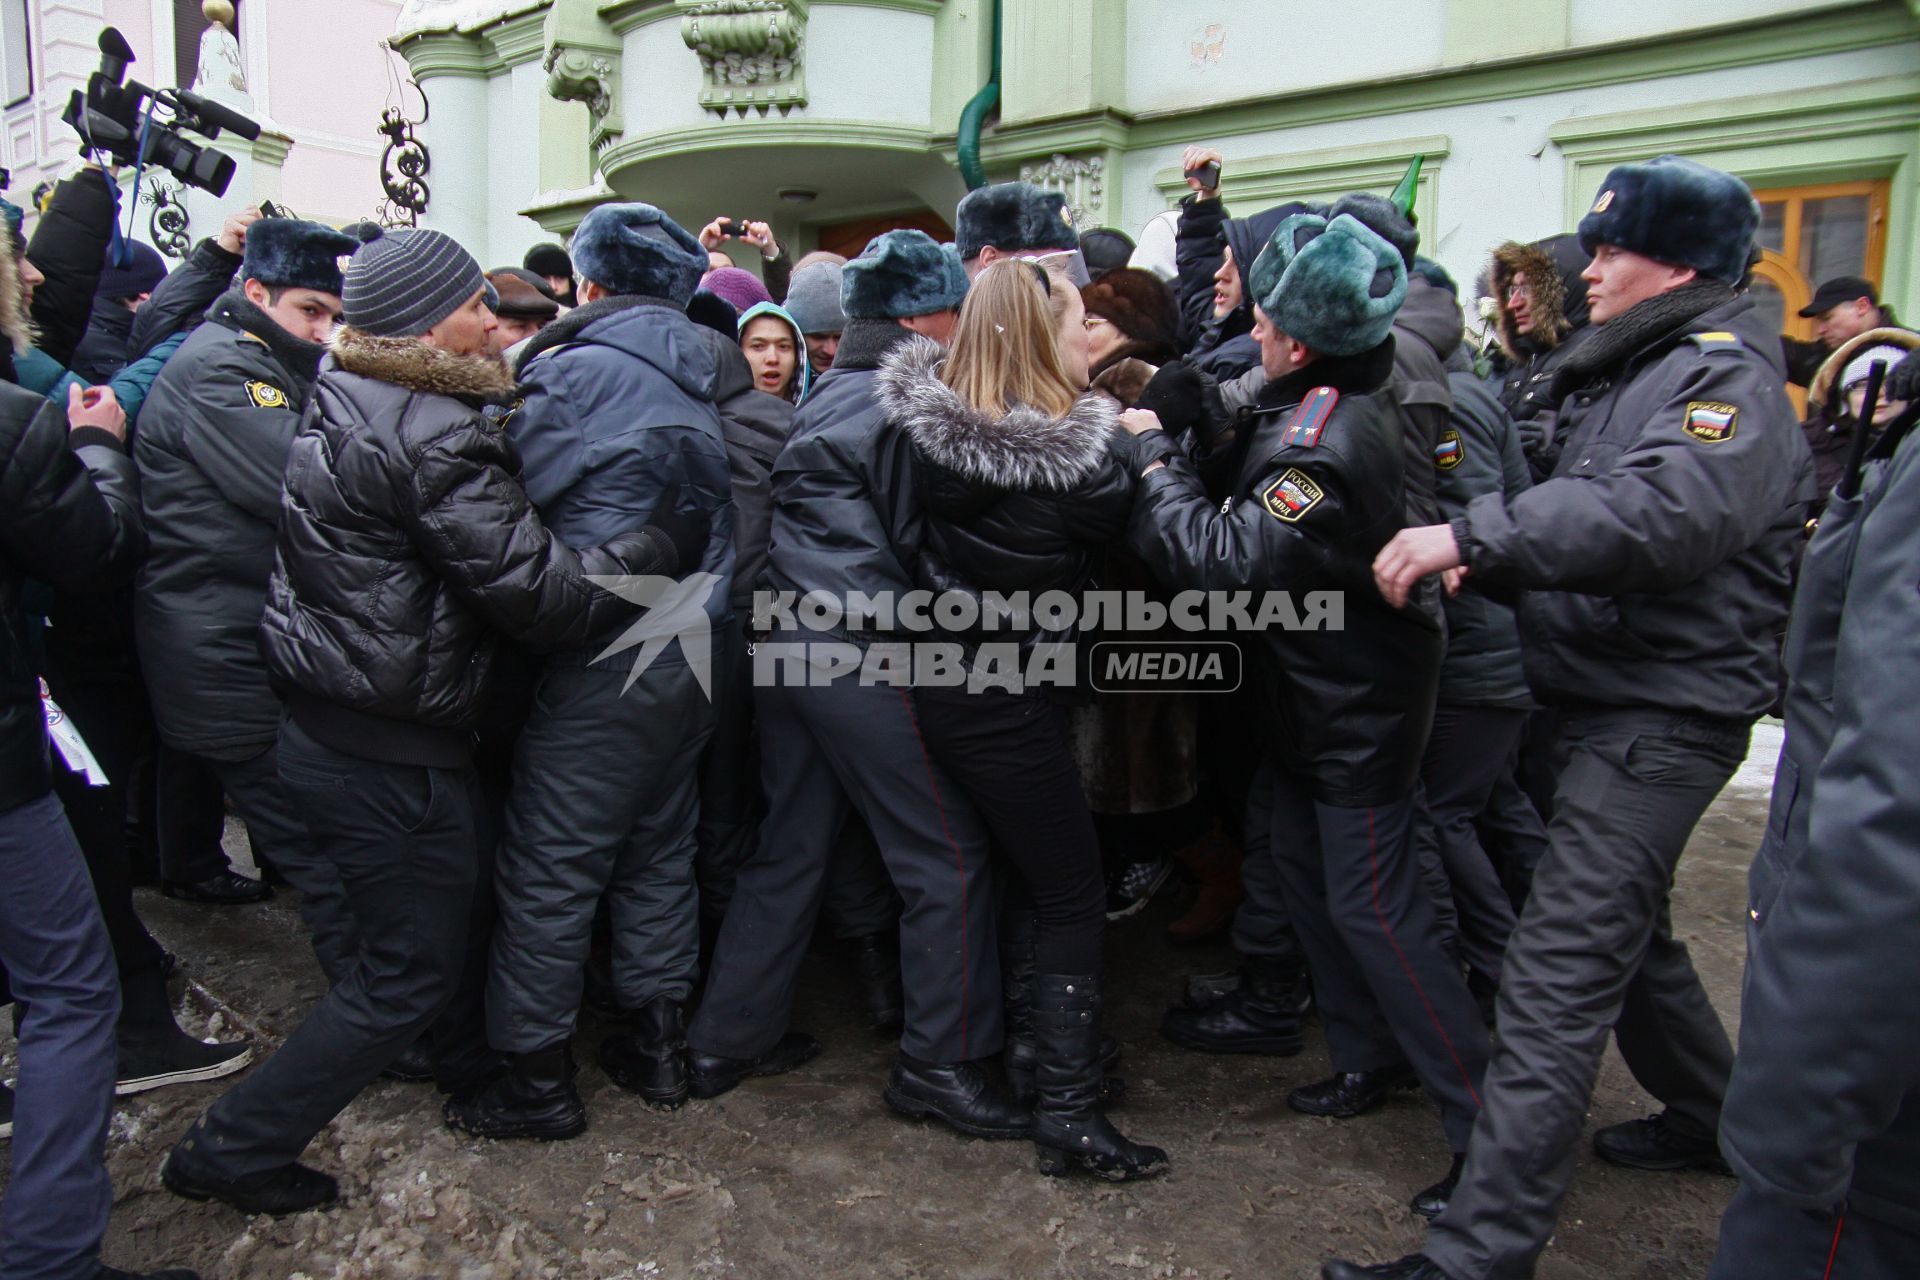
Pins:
<point x="1082" y="179"/>
<point x="583" y="65"/>
<point x="750" y="52"/>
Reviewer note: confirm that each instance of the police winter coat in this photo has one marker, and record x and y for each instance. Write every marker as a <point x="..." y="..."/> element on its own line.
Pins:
<point x="617" y="406"/>
<point x="846" y="505"/>
<point x="1315" y="499"/>
<point x="69" y="517"/>
<point x="1657" y="555"/>
<point x="212" y="452"/>
<point x="1019" y="503"/>
<point x="1479" y="453"/>
<point x="408" y="546"/>
<point x="1823" y="1109"/>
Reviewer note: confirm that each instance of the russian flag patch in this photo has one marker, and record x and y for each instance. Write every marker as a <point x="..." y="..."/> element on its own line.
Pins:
<point x="1710" y="422"/>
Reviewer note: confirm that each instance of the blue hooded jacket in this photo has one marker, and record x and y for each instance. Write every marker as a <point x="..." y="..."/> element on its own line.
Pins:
<point x="802" y="372"/>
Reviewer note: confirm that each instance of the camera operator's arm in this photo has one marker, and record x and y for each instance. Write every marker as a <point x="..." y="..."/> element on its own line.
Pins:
<point x="69" y="501"/>
<point x="69" y="248"/>
<point x="182" y="299"/>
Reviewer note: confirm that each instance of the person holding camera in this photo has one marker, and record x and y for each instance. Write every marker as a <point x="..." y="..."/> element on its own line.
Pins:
<point x="69" y="518"/>
<point x="776" y="269"/>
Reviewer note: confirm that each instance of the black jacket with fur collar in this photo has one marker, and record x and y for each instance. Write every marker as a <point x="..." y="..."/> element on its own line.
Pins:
<point x="408" y="546"/>
<point x="1023" y="502"/>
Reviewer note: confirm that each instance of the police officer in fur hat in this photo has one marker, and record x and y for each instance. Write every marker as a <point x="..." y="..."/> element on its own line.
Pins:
<point x="212" y="455"/>
<point x="1657" y="560"/>
<point x="1018" y="220"/>
<point x="1319" y="489"/>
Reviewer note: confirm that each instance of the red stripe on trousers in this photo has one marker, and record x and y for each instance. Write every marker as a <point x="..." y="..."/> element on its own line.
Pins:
<point x="1834" y="1252"/>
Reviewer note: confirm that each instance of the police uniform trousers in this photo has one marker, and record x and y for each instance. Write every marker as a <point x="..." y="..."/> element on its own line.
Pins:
<point x="1762" y="1239"/>
<point x="830" y="748"/>
<point x="1593" y="952"/>
<point x="604" y="802"/>
<point x="1386" y="989"/>
<point x="1466" y="755"/>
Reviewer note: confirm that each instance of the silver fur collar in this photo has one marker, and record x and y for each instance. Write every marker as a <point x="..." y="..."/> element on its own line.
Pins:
<point x="1024" y="450"/>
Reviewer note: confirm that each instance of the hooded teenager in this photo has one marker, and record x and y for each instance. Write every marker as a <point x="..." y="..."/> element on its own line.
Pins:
<point x="777" y="351"/>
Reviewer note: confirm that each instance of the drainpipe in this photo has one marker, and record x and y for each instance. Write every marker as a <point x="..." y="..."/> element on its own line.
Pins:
<point x="973" y="116"/>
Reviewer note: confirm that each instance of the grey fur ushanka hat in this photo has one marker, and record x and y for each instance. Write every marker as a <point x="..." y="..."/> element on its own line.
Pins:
<point x="1333" y="284"/>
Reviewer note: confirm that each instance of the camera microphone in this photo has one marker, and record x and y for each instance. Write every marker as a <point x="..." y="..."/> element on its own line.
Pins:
<point x="217" y="116"/>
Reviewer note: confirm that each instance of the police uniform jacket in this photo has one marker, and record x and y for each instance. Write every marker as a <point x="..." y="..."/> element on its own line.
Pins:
<point x="1656" y="557"/>
<point x="1823" y="1109"/>
<point x="212" y="453"/>
<point x="1319" y="491"/>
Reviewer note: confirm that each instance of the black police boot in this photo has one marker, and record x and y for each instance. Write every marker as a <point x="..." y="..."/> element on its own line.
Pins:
<point x="709" y="1075"/>
<point x="292" y="1188"/>
<point x="1351" y="1093"/>
<point x="153" y="1051"/>
<point x="1263" y="1014"/>
<point x="876" y="963"/>
<point x="223" y="889"/>
<point x="414" y="1065"/>
<point x="1017" y="960"/>
<point x="534" y="1099"/>
<point x="1432" y="1202"/>
<point x="1415" y="1266"/>
<point x="1660" y="1144"/>
<point x="651" y="1060"/>
<point x="1070" y="1130"/>
<point x="967" y="1096"/>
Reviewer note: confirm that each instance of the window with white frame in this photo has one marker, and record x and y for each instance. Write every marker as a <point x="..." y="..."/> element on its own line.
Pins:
<point x="18" y="50"/>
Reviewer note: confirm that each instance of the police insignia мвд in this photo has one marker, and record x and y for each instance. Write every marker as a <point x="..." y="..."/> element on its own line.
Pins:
<point x="1448" y="452"/>
<point x="1710" y="422"/>
<point x="266" y="396"/>
<point x="1310" y="418"/>
<point x="1292" y="496"/>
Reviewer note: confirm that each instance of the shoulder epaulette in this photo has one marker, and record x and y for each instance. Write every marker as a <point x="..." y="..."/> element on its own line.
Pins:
<point x="1310" y="418"/>
<point x="1716" y="341"/>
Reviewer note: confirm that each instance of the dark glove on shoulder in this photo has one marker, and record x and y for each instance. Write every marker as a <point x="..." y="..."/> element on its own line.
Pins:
<point x="1184" y="398"/>
<point x="1903" y="380"/>
<point x="686" y="531"/>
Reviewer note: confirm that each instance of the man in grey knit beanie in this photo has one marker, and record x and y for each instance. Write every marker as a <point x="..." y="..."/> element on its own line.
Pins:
<point x="813" y="300"/>
<point x="401" y="284"/>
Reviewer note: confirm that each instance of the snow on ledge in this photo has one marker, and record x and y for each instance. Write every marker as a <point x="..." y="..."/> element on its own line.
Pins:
<point x="458" y="15"/>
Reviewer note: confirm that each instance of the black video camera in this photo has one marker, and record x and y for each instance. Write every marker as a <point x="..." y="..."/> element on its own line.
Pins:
<point x="109" y="118"/>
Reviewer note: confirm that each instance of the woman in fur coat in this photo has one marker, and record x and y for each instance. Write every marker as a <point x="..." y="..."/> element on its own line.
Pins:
<point x="1023" y="480"/>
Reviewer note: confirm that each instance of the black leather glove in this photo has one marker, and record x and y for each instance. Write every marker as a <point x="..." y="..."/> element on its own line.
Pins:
<point x="686" y="531"/>
<point x="1903" y="380"/>
<point x="1178" y="395"/>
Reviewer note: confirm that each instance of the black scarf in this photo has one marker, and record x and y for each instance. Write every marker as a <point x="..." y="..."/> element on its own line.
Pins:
<point x="865" y="343"/>
<point x="1643" y="325"/>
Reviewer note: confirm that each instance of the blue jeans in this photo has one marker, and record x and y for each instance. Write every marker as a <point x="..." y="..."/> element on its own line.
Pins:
<point x="61" y="965"/>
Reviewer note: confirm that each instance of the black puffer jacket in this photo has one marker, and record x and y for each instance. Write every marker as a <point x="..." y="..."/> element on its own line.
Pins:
<point x="180" y="303"/>
<point x="1019" y="503"/>
<point x="407" y="545"/>
<point x="1221" y="348"/>
<point x="69" y="517"/>
<point x="1348" y="706"/>
<point x="69" y="247"/>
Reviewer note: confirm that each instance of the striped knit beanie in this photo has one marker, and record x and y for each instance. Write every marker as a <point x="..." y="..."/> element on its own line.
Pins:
<point x="402" y="283"/>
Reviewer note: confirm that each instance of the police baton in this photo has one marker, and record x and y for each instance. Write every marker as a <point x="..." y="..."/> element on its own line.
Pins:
<point x="1849" y="485"/>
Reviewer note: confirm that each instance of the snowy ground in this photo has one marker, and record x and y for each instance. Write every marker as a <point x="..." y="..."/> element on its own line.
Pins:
<point x="810" y="1175"/>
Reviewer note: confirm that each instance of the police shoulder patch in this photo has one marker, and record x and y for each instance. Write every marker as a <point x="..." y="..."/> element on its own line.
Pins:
<point x="1448" y="452"/>
<point x="1310" y="418"/>
<point x="266" y="396"/>
<point x="1716" y="341"/>
<point x="1710" y="421"/>
<point x="1292" y="496"/>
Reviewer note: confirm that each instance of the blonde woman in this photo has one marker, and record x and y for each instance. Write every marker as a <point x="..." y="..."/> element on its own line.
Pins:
<point x="1023" y="480"/>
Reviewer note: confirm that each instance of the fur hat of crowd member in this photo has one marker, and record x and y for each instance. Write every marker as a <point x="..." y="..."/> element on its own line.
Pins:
<point x="520" y="300"/>
<point x="1676" y="211"/>
<point x="1852" y="359"/>
<point x="1333" y="284"/>
<point x="1105" y="249"/>
<point x="1383" y="217"/>
<point x="1558" y="293"/>
<point x="402" y="283"/>
<point x="1436" y="275"/>
<point x="902" y="273"/>
<point x="144" y="271"/>
<point x="1141" y="306"/>
<point x="1155" y="252"/>
<point x="548" y="260"/>
<point x="287" y="253"/>
<point x="813" y="299"/>
<point x="715" y="312"/>
<point x="737" y="285"/>
<point x="1013" y="217"/>
<point x="637" y="249"/>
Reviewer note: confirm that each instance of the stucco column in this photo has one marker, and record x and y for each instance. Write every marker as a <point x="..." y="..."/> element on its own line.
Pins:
<point x="450" y="72"/>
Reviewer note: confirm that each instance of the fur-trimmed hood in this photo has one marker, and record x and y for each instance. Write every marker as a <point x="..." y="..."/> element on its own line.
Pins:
<point x="1552" y="267"/>
<point x="1026" y="449"/>
<point x="413" y="365"/>
<point x="15" y="324"/>
<point x="1820" y="391"/>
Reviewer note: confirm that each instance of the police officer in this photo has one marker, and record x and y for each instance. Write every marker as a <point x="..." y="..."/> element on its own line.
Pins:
<point x="846" y="521"/>
<point x="1822" y="1120"/>
<point x="1657" y="557"/>
<point x="1321" y="488"/>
